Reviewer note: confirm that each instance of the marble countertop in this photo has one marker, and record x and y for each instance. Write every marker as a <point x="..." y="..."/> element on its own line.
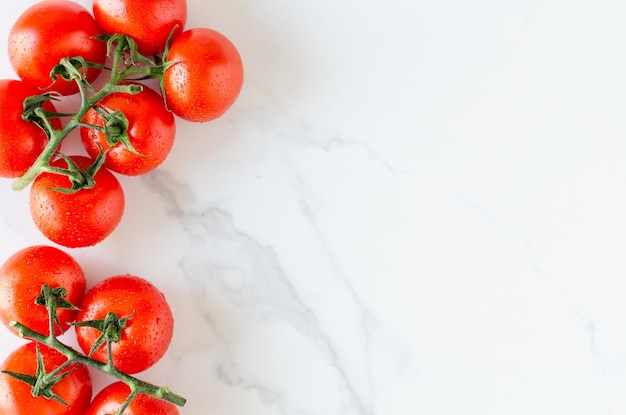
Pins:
<point x="415" y="207"/>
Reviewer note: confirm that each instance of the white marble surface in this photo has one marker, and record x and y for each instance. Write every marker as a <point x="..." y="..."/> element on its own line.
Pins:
<point x="415" y="207"/>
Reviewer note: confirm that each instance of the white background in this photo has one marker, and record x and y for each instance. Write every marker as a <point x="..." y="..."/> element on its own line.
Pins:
<point x="415" y="207"/>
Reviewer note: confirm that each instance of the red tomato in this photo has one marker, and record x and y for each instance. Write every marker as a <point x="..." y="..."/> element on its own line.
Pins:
<point x="16" y="397"/>
<point x="47" y="32"/>
<point x="21" y="142"/>
<point x="148" y="332"/>
<point x="152" y="137"/>
<point x="149" y="22"/>
<point x="79" y="219"/>
<point x="21" y="278"/>
<point x="109" y="400"/>
<point x="206" y="77"/>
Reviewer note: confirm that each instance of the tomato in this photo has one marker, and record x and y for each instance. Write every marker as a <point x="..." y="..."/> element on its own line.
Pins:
<point x="206" y="77"/>
<point x="21" y="142"/>
<point x="16" y="398"/>
<point x="21" y="278"/>
<point x="148" y="332"/>
<point x="109" y="400"/>
<point x="152" y="137"/>
<point x="79" y="219"/>
<point x="51" y="30"/>
<point x="149" y="22"/>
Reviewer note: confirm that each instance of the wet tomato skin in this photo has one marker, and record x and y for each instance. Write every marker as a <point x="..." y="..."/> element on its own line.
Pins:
<point x="21" y="142"/>
<point x="80" y="219"/>
<point x="147" y="334"/>
<point x="109" y="400"/>
<point x="151" y="136"/>
<point x="51" y="30"/>
<point x="206" y="75"/>
<point x="16" y="397"/>
<point x="149" y="22"/>
<point x="21" y="278"/>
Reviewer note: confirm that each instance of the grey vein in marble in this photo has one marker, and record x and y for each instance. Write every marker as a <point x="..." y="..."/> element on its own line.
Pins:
<point x="259" y="286"/>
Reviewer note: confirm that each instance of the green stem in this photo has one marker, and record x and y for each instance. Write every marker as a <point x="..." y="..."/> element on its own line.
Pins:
<point x="129" y="399"/>
<point x="56" y="137"/>
<point x="60" y="369"/>
<point x="160" y="392"/>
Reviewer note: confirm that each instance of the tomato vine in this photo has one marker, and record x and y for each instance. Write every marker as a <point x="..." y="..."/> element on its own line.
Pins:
<point x="57" y="49"/>
<point x="127" y="64"/>
<point x="43" y="382"/>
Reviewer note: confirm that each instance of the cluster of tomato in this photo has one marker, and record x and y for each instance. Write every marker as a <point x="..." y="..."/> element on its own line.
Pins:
<point x="201" y="76"/>
<point x="59" y="50"/>
<point x="141" y="307"/>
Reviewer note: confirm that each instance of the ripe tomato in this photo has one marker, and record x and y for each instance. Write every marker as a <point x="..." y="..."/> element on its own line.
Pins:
<point x="148" y="332"/>
<point x="109" y="400"/>
<point x="21" y="142"/>
<point x="21" y="278"/>
<point x="51" y="30"/>
<point x="79" y="219"/>
<point x="149" y="22"/>
<point x="152" y="137"/>
<point x="16" y="397"/>
<point x="206" y="77"/>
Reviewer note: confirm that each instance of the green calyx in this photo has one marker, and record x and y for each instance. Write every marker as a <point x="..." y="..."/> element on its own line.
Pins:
<point x="42" y="383"/>
<point x="111" y="328"/>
